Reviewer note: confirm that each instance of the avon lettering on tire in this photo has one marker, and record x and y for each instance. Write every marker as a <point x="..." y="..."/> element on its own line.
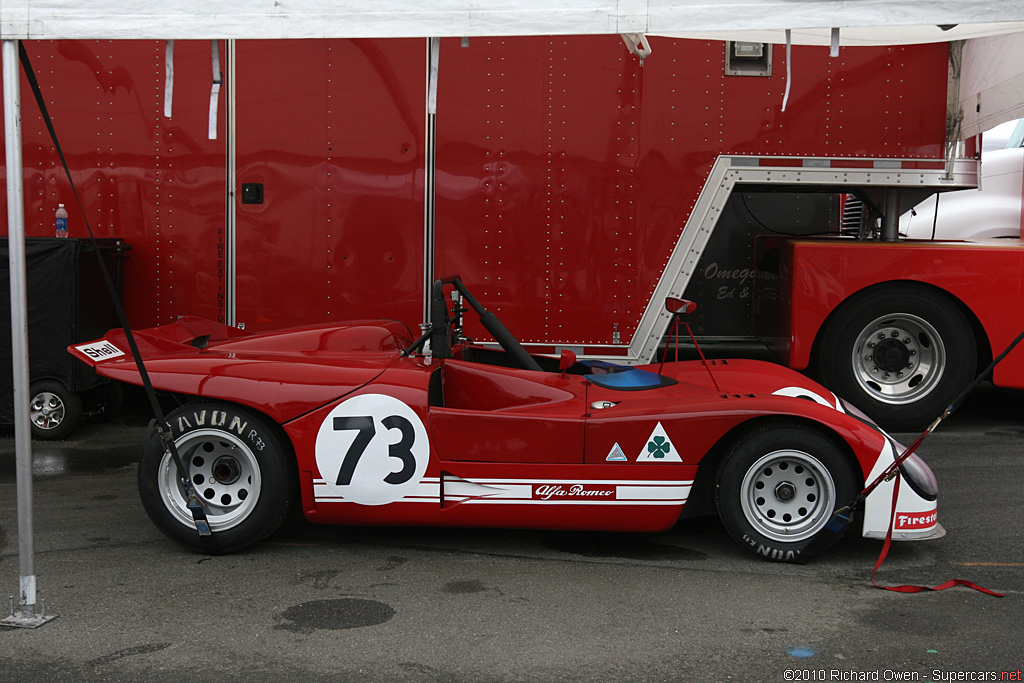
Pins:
<point x="240" y="466"/>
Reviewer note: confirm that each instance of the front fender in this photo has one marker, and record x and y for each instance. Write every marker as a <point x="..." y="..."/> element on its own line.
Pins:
<point x="916" y="515"/>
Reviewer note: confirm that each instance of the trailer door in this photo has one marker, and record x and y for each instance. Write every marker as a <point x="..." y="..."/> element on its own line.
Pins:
<point x="328" y="192"/>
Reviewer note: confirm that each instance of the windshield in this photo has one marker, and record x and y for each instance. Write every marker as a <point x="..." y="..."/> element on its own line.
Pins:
<point x="624" y="377"/>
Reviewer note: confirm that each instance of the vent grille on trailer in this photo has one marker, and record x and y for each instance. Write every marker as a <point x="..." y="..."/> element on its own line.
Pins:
<point x="853" y="215"/>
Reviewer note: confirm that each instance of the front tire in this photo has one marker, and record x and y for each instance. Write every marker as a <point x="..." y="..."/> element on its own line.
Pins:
<point x="899" y="353"/>
<point x="779" y="486"/>
<point x="240" y="466"/>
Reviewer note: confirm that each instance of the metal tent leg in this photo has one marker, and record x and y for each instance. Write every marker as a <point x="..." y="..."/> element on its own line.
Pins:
<point x="26" y="615"/>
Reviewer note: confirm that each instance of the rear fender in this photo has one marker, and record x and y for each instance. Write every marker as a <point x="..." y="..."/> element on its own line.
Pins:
<point x="183" y="336"/>
<point x="282" y="385"/>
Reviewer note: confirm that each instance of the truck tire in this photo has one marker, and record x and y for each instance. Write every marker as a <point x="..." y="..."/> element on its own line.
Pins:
<point x="779" y="486"/>
<point x="54" y="410"/>
<point x="900" y="353"/>
<point x="242" y="468"/>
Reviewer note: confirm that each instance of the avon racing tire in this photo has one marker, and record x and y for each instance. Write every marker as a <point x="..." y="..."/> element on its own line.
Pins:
<point x="779" y="486"/>
<point x="241" y="467"/>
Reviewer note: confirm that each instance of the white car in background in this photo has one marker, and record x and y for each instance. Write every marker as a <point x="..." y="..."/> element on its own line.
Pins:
<point x="994" y="210"/>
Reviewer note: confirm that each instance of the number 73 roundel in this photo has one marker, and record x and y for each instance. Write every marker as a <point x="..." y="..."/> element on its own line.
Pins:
<point x="372" y="449"/>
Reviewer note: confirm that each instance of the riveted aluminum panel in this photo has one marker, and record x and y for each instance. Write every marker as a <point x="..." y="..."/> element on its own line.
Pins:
<point x="334" y="131"/>
<point x="567" y="172"/>
<point x="157" y="182"/>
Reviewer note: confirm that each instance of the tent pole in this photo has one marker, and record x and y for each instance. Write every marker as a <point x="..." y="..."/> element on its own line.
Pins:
<point x="26" y="615"/>
<point x="430" y="175"/>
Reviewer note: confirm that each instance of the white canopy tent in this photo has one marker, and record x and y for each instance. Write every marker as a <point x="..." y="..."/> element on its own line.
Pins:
<point x="897" y="21"/>
<point x="991" y="78"/>
<point x="993" y="57"/>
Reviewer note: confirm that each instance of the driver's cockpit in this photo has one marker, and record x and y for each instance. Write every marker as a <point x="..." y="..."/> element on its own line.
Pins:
<point x="446" y="340"/>
<point x="602" y="373"/>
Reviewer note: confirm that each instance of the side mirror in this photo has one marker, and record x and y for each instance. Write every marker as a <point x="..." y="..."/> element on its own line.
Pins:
<point x="679" y="306"/>
<point x="566" y="360"/>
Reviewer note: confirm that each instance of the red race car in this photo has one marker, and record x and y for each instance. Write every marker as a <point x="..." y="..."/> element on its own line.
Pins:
<point x="361" y="424"/>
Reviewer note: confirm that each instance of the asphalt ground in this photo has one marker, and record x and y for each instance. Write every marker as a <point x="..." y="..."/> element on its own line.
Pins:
<point x="408" y="604"/>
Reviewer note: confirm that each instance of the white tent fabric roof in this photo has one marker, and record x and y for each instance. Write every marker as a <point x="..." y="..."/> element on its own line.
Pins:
<point x="897" y="21"/>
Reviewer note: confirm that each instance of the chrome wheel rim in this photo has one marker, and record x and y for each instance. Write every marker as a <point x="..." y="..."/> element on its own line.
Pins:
<point x="898" y="359"/>
<point x="47" y="410"/>
<point x="787" y="495"/>
<point x="224" y="472"/>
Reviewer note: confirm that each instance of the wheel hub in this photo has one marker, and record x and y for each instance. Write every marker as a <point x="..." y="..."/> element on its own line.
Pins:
<point x="785" y="492"/>
<point x="898" y="358"/>
<point x="787" y="495"/>
<point x="224" y="472"/>
<point x="46" y="410"/>
<point x="892" y="355"/>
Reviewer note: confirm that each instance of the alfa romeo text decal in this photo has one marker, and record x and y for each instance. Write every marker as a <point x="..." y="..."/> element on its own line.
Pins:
<point x="372" y="449"/>
<point x="558" y="491"/>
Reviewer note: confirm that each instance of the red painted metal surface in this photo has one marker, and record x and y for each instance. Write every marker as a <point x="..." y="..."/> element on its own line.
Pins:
<point x="517" y="417"/>
<point x="534" y="454"/>
<point x="334" y="130"/>
<point x="555" y="482"/>
<point x="983" y="276"/>
<point x="157" y="182"/>
<point x="281" y="375"/>
<point x="566" y="171"/>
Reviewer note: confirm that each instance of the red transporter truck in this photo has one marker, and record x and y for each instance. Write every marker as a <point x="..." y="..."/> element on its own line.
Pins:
<point x="572" y="186"/>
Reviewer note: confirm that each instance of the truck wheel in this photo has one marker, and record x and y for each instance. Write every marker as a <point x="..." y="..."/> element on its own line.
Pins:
<point x="899" y="353"/>
<point x="780" y="486"/>
<point x="53" y="409"/>
<point x="243" y="472"/>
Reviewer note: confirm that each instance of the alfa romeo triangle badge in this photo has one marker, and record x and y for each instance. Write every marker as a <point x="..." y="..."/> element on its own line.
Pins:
<point x="616" y="454"/>
<point x="659" y="448"/>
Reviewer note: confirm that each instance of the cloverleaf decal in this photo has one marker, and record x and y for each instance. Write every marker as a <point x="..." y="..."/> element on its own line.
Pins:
<point x="658" y="448"/>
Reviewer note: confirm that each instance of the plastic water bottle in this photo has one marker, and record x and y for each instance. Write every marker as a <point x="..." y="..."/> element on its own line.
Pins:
<point x="62" y="221"/>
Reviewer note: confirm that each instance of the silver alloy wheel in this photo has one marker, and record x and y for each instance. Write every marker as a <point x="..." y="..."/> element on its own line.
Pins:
<point x="224" y="472"/>
<point x="787" y="495"/>
<point x="47" y="410"/>
<point x="898" y="358"/>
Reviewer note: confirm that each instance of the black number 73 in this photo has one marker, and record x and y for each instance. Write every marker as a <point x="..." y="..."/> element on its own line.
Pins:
<point x="366" y="431"/>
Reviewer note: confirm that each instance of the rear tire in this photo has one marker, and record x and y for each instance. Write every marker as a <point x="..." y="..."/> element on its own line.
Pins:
<point x="242" y="470"/>
<point x="900" y="353"/>
<point x="779" y="486"/>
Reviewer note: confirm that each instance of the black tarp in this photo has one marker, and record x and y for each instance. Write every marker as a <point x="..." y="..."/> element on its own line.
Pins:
<point x="67" y="303"/>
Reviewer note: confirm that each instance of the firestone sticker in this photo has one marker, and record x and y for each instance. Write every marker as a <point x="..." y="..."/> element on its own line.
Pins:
<point x="372" y="450"/>
<point x="920" y="520"/>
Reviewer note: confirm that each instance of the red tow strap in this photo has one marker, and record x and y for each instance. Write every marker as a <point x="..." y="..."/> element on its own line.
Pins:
<point x="916" y="589"/>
